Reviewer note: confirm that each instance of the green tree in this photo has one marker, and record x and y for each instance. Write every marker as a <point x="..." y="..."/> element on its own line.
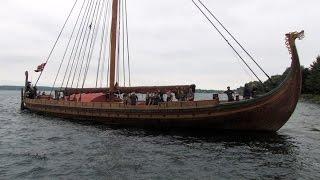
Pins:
<point x="268" y="85"/>
<point x="313" y="79"/>
<point x="305" y="75"/>
<point x="310" y="80"/>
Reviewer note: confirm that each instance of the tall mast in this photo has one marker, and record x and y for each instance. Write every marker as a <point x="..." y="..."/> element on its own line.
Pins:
<point x="113" y="39"/>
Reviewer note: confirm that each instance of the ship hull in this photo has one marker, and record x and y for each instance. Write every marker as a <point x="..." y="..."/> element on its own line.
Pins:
<point x="268" y="113"/>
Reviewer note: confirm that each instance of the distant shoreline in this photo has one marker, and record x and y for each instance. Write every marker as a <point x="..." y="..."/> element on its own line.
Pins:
<point x="11" y="88"/>
<point x="18" y="88"/>
<point x="46" y="88"/>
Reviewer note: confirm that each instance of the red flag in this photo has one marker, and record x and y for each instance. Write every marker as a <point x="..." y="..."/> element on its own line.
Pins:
<point x="40" y="68"/>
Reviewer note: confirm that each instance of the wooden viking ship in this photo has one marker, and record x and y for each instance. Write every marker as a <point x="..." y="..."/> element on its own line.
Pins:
<point x="268" y="112"/>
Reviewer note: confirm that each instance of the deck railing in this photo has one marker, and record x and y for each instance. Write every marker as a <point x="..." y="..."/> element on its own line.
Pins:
<point x="120" y="105"/>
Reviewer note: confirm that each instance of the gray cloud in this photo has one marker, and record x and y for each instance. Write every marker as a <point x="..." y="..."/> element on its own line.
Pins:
<point x="171" y="42"/>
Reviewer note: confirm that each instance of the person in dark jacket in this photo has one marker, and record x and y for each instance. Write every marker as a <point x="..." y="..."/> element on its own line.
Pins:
<point x="133" y="99"/>
<point x="247" y="92"/>
<point x="148" y="99"/>
<point x="190" y="95"/>
<point x="230" y="94"/>
<point x="254" y="92"/>
<point x="125" y="99"/>
<point x="156" y="99"/>
<point x="161" y="96"/>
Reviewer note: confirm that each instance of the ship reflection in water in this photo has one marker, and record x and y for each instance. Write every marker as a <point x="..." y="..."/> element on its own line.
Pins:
<point x="34" y="146"/>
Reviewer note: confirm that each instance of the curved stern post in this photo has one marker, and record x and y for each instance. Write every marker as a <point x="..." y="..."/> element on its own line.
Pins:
<point x="23" y="90"/>
<point x="291" y="45"/>
<point x="294" y="79"/>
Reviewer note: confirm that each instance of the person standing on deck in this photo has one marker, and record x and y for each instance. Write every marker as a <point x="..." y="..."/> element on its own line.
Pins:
<point x="254" y="92"/>
<point x="178" y="94"/>
<point x="161" y="96"/>
<point x="190" y="95"/>
<point x="151" y="99"/>
<point x="125" y="99"/>
<point x="230" y="94"/>
<point x="169" y="96"/>
<point x="148" y="98"/>
<point x="133" y="99"/>
<point x="247" y="92"/>
<point x="156" y="99"/>
<point x="183" y="96"/>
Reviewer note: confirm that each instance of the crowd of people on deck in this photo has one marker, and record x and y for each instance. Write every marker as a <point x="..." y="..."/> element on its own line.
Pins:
<point x="158" y="97"/>
<point x="131" y="99"/>
<point x="33" y="93"/>
<point x="247" y="94"/>
<point x="154" y="98"/>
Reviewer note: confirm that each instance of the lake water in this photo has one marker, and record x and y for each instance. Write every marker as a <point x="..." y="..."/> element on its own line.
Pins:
<point x="38" y="147"/>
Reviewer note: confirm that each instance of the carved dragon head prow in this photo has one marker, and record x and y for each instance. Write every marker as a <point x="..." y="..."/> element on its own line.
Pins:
<point x="291" y="38"/>
<point x="297" y="35"/>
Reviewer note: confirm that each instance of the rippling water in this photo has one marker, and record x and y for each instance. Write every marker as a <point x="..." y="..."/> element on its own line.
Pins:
<point x="38" y="147"/>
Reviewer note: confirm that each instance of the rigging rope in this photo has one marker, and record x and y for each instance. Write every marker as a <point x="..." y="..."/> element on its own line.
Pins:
<point x="232" y="47"/>
<point x="241" y="46"/>
<point x="93" y="40"/>
<point x="109" y="57"/>
<point x="101" y="63"/>
<point x="95" y="18"/>
<point x="65" y="53"/>
<point x="127" y="33"/>
<point x="84" y="43"/>
<point x="123" y="46"/>
<point x="105" y="50"/>
<point x="74" y="69"/>
<point x="54" y="46"/>
<point x="77" y="43"/>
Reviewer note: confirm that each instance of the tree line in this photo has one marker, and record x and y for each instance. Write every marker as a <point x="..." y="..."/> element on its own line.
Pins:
<point x="310" y="81"/>
<point x="311" y="78"/>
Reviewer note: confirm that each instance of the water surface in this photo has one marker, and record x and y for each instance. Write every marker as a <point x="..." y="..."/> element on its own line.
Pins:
<point x="38" y="147"/>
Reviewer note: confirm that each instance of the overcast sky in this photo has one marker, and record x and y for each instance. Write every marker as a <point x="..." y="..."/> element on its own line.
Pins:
<point x="170" y="41"/>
